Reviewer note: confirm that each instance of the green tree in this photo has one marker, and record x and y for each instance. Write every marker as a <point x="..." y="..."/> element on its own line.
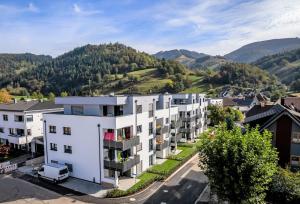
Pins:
<point x="63" y="94"/>
<point x="218" y="114"/>
<point x="51" y="96"/>
<point x="239" y="165"/>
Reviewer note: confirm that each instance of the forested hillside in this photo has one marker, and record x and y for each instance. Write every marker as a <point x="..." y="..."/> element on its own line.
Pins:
<point x="14" y="64"/>
<point x="286" y="66"/>
<point x="91" y="66"/>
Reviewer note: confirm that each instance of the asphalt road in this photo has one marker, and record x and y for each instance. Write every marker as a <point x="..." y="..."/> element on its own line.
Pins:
<point x="184" y="187"/>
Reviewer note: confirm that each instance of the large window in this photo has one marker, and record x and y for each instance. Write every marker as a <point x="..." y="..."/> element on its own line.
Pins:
<point x="139" y="108"/>
<point x="29" y="118"/>
<point x="150" y="128"/>
<point x="139" y="147"/>
<point x="1" y="130"/>
<point x="150" y="145"/>
<point x="11" y="131"/>
<point x="150" y="110"/>
<point x="70" y="167"/>
<point x="5" y="117"/>
<point x="29" y="132"/>
<point x="139" y="128"/>
<point x="19" y="118"/>
<point x="68" y="149"/>
<point x="53" y="146"/>
<point x="295" y="160"/>
<point x="296" y="137"/>
<point x="118" y="110"/>
<point x="67" y="130"/>
<point x="52" y="129"/>
<point x="77" y="110"/>
<point x="151" y="160"/>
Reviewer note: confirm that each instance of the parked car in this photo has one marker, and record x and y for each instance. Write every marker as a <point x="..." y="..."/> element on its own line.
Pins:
<point x="54" y="172"/>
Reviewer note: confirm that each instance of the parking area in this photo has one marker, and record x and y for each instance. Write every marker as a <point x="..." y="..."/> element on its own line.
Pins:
<point x="14" y="190"/>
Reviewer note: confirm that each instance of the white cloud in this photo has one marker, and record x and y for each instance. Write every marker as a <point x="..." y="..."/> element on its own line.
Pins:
<point x="7" y="9"/>
<point x="78" y="10"/>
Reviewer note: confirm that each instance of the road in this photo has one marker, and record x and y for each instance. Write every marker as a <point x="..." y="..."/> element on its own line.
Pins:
<point x="184" y="186"/>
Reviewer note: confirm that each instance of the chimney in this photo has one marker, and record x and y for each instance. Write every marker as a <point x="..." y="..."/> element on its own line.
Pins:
<point x="282" y="101"/>
<point x="15" y="100"/>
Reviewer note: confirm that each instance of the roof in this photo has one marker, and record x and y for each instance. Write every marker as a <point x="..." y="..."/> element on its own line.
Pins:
<point x="261" y="97"/>
<point x="237" y="101"/>
<point x="258" y="109"/>
<point x="264" y="112"/>
<point x="35" y="105"/>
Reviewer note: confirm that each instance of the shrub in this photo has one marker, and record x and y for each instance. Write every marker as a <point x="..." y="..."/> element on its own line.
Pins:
<point x="145" y="180"/>
<point x="165" y="169"/>
<point x="285" y="187"/>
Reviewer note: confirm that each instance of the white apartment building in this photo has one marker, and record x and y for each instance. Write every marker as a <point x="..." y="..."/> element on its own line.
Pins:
<point x="103" y="138"/>
<point x="21" y="124"/>
<point x="193" y="114"/>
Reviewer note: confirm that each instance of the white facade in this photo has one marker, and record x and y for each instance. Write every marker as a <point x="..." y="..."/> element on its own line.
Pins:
<point x="193" y="113"/>
<point x="19" y="128"/>
<point x="111" y="136"/>
<point x="215" y="101"/>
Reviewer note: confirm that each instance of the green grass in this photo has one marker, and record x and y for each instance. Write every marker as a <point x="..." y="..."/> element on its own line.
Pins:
<point x="166" y="168"/>
<point x="185" y="154"/>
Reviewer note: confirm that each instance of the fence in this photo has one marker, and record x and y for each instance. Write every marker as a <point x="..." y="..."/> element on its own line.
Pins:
<point x="7" y="167"/>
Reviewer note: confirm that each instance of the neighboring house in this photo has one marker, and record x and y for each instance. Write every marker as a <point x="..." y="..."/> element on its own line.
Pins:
<point x="242" y="104"/>
<point x="215" y="101"/>
<point x="292" y="102"/>
<point x="21" y="124"/>
<point x="284" y="124"/>
<point x="106" y="137"/>
<point x="193" y="113"/>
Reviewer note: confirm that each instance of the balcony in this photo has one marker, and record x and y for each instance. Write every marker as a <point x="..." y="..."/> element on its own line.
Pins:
<point x="189" y="118"/>
<point x="18" y="139"/>
<point x="124" y="165"/>
<point x="161" y="144"/>
<point x="177" y="138"/>
<point x="123" y="144"/>
<point x="175" y="125"/>
<point x="162" y="130"/>
<point x="187" y="130"/>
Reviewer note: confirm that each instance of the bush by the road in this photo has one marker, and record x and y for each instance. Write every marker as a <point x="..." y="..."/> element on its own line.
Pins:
<point x="285" y="187"/>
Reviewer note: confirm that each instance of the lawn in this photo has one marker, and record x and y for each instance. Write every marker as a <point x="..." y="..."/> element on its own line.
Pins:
<point x="166" y="168"/>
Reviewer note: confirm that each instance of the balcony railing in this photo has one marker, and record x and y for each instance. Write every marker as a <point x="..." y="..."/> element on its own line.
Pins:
<point x="177" y="138"/>
<point x="122" y="166"/>
<point x="186" y="130"/>
<point x="162" y="130"/>
<point x="161" y="146"/>
<point x="189" y="118"/>
<point x="122" y="144"/>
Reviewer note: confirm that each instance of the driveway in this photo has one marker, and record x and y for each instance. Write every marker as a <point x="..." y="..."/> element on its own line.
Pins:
<point x="14" y="190"/>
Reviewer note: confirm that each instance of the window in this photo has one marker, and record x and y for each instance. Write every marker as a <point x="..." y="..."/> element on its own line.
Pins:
<point x="70" y="167"/>
<point x="150" y="128"/>
<point x="67" y="130"/>
<point x="167" y="120"/>
<point x="11" y="131"/>
<point x="68" y="149"/>
<point x="1" y="130"/>
<point x="296" y="137"/>
<point x="63" y="171"/>
<point x="77" y="110"/>
<point x="139" y="147"/>
<point x="139" y="108"/>
<point x="53" y="146"/>
<point x="150" y="145"/>
<point x="54" y="162"/>
<point x="118" y="110"/>
<point x="5" y="117"/>
<point x="167" y="105"/>
<point x="29" y="132"/>
<point x="19" y="118"/>
<point x="139" y="128"/>
<point x="52" y="129"/>
<point x="150" y="110"/>
<point x="295" y="160"/>
<point x="29" y="118"/>
<point x="150" y="160"/>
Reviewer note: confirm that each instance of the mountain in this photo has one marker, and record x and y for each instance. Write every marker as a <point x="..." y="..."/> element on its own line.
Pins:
<point x="12" y="64"/>
<point x="285" y="65"/>
<point x="209" y="62"/>
<point x="253" y="51"/>
<point x="93" y="68"/>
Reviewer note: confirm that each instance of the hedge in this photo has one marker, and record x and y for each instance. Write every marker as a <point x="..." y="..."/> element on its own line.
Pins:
<point x="145" y="180"/>
<point x="185" y="154"/>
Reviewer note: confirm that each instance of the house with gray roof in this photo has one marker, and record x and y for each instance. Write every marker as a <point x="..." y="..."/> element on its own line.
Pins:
<point x="21" y="124"/>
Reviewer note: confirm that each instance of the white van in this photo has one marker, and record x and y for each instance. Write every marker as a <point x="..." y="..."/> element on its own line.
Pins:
<point x="54" y="172"/>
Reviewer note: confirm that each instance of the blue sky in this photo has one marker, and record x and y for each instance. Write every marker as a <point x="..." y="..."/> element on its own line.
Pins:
<point x="210" y="26"/>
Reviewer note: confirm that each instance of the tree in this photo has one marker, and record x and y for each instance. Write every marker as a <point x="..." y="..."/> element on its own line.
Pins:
<point x="5" y="97"/>
<point x="51" y="96"/>
<point x="239" y="165"/>
<point x="218" y="114"/>
<point x="64" y="94"/>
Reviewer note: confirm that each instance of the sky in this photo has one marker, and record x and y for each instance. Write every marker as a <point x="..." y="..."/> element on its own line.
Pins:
<point x="214" y="27"/>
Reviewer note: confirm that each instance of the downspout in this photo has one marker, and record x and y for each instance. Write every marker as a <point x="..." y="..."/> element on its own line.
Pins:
<point x="99" y="134"/>
<point x="46" y="142"/>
